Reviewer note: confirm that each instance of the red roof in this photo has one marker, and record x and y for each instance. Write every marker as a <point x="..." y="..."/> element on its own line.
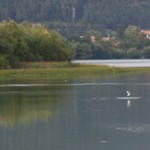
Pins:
<point x="146" y="32"/>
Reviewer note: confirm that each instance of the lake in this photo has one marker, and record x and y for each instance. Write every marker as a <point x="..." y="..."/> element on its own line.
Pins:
<point x="117" y="62"/>
<point x="84" y="114"/>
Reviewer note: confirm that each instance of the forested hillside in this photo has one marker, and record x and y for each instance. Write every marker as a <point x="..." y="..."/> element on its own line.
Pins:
<point x="105" y="13"/>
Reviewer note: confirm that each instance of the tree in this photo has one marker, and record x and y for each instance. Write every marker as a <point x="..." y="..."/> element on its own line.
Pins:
<point x="133" y="37"/>
<point x="120" y="32"/>
<point x="84" y="51"/>
<point x="146" y="52"/>
<point x="133" y="53"/>
<point x="28" y="42"/>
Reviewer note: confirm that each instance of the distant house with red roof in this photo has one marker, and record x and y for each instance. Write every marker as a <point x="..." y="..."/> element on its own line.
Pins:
<point x="146" y="33"/>
<point x="105" y="39"/>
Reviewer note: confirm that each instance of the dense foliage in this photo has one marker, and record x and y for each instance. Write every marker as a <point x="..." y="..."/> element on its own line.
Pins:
<point x="26" y="42"/>
<point x="127" y="42"/>
<point x="30" y="42"/>
<point x="104" y="13"/>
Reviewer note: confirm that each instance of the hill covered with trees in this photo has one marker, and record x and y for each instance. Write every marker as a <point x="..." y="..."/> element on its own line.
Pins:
<point x="105" y="13"/>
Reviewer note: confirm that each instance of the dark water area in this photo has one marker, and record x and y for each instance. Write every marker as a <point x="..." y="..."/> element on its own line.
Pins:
<point x="86" y="114"/>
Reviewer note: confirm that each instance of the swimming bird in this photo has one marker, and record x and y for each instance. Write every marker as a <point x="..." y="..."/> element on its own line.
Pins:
<point x="128" y="93"/>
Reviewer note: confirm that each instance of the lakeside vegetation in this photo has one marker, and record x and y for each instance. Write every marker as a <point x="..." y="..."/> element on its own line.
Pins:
<point x="26" y="42"/>
<point x="58" y="72"/>
<point x="37" y="52"/>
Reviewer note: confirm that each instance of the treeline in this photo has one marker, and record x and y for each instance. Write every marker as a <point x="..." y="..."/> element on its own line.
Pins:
<point x="127" y="42"/>
<point x="30" y="42"/>
<point x="105" y="13"/>
<point x="111" y="13"/>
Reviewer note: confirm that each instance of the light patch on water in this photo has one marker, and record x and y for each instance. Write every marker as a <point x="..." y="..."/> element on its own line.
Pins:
<point x="128" y="98"/>
<point x="112" y="98"/>
<point x="141" y="128"/>
<point x="104" y="83"/>
<point x="73" y="84"/>
<point x="103" y="142"/>
<point x="66" y="84"/>
<point x="22" y="85"/>
<point x="102" y="98"/>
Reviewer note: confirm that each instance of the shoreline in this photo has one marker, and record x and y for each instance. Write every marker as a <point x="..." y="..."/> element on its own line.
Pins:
<point x="66" y="73"/>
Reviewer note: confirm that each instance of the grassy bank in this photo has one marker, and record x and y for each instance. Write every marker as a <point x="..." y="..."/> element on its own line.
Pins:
<point x="63" y="71"/>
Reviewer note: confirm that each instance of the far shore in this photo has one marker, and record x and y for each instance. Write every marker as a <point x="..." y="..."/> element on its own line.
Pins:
<point x="64" y="71"/>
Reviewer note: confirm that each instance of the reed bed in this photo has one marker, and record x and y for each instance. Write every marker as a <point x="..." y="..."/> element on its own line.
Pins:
<point x="64" y="71"/>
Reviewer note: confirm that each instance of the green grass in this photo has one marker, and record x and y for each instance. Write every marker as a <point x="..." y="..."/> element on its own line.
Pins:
<point x="47" y="65"/>
<point x="63" y="71"/>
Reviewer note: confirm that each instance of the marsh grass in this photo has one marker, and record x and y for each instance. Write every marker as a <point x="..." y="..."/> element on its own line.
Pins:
<point x="64" y="71"/>
<point x="47" y="65"/>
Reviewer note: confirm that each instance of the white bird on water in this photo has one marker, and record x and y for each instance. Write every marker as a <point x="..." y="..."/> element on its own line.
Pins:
<point x="128" y="101"/>
<point x="128" y="93"/>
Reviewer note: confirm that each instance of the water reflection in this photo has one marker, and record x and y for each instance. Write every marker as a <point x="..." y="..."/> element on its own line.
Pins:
<point x="128" y="103"/>
<point x="134" y="128"/>
<point x="24" y="105"/>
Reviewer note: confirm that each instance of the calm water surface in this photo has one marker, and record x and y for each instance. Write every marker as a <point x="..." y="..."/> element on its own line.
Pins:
<point x="91" y="114"/>
<point x="117" y="62"/>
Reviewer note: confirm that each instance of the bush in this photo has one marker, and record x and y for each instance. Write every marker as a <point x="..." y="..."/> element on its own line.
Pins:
<point x="133" y="53"/>
<point x="22" y="43"/>
<point x="146" y="52"/>
<point x="4" y="63"/>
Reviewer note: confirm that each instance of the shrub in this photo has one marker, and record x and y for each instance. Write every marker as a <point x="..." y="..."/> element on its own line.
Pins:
<point x="146" y="52"/>
<point x="4" y="63"/>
